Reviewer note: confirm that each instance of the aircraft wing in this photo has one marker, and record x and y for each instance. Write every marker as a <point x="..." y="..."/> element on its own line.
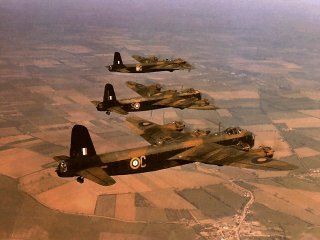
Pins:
<point x="95" y="102"/>
<point x="192" y="103"/>
<point x="61" y="158"/>
<point x="176" y="102"/>
<point x="97" y="175"/>
<point x="202" y="105"/>
<point x="118" y="110"/>
<point x="123" y="70"/>
<point x="115" y="109"/>
<point x="165" y="66"/>
<point x="173" y="65"/>
<point x="139" y="58"/>
<point x="152" y="132"/>
<point x="216" y="154"/>
<point x="141" y="89"/>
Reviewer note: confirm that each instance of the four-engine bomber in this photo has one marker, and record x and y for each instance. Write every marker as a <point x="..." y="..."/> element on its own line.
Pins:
<point x="148" y="64"/>
<point x="152" y="97"/>
<point x="170" y="146"/>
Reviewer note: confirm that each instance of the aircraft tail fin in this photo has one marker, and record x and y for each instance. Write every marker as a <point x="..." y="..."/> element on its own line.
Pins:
<point x="81" y="143"/>
<point x="109" y="96"/>
<point x="117" y="61"/>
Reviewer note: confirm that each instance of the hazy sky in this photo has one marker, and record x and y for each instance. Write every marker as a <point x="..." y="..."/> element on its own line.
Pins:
<point x="294" y="22"/>
<point x="217" y="13"/>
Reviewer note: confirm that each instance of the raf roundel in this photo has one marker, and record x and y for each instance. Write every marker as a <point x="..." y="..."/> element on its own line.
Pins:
<point x="135" y="163"/>
<point x="136" y="105"/>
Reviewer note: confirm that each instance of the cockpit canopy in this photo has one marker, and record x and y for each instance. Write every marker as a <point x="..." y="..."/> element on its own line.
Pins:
<point x="188" y="90"/>
<point x="233" y="130"/>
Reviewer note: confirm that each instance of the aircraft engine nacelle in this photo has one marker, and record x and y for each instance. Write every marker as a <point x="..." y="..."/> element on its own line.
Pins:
<point x="155" y="88"/>
<point x="200" y="133"/>
<point x="139" y="68"/>
<point x="268" y="151"/>
<point x="264" y="151"/>
<point x="176" y="126"/>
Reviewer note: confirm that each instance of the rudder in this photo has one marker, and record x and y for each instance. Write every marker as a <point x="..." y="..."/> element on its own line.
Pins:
<point x="81" y="143"/>
<point x="109" y="94"/>
<point x="117" y="61"/>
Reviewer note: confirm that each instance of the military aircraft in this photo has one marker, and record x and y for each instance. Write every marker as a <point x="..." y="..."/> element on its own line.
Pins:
<point x="148" y="64"/>
<point x="152" y="97"/>
<point x="170" y="146"/>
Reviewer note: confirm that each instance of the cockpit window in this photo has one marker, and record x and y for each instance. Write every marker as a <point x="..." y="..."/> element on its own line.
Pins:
<point x="233" y="130"/>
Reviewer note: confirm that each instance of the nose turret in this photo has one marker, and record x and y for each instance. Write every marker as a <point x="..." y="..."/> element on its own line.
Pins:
<point x="250" y="139"/>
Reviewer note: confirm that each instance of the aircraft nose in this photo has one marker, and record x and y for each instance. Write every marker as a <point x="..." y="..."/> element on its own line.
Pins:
<point x="250" y="139"/>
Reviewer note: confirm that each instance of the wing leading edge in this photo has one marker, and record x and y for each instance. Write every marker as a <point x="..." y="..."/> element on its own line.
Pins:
<point x="154" y="133"/>
<point x="192" y="103"/>
<point x="144" y="91"/>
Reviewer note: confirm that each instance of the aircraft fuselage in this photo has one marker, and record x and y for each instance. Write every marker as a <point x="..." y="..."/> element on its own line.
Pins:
<point x="149" y="158"/>
<point x="146" y="104"/>
<point x="141" y="68"/>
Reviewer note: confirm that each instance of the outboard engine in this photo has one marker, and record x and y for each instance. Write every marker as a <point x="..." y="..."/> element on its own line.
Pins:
<point x="176" y="126"/>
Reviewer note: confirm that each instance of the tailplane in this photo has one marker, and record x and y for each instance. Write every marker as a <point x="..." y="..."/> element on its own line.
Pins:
<point x="81" y="143"/>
